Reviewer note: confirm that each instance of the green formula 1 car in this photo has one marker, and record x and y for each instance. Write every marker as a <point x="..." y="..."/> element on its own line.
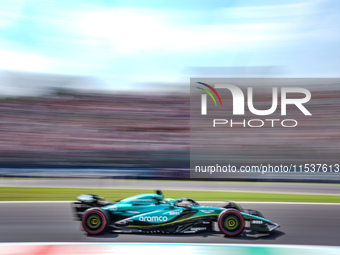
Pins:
<point x="151" y="213"/>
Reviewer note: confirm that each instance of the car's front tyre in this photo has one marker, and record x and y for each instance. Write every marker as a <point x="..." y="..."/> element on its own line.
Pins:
<point x="95" y="221"/>
<point x="231" y="222"/>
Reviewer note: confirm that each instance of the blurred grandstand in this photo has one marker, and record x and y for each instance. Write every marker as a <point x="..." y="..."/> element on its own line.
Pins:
<point x="82" y="133"/>
<point x="60" y="124"/>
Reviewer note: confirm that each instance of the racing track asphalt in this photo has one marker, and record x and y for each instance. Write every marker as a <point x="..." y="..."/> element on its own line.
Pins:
<point x="304" y="224"/>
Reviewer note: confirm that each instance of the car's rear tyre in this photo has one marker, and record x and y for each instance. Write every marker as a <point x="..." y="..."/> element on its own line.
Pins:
<point x="95" y="221"/>
<point x="231" y="222"/>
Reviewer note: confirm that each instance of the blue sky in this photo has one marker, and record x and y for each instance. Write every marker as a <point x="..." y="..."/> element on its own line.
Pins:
<point x="129" y="43"/>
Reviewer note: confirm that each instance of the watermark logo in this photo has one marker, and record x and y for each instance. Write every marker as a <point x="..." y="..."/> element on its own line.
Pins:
<point x="301" y="97"/>
<point x="239" y="105"/>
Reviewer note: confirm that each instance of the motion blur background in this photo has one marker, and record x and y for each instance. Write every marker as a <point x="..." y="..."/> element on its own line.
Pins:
<point x="101" y="88"/>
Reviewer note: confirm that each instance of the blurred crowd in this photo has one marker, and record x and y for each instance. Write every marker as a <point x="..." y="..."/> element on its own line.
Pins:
<point x="69" y="128"/>
<point x="74" y="128"/>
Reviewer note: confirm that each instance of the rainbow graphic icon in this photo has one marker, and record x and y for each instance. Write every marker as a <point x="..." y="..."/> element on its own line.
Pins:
<point x="208" y="92"/>
<point x="204" y="97"/>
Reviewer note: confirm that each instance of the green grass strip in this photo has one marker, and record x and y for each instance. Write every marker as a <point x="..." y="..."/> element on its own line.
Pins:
<point x="56" y="180"/>
<point x="61" y="194"/>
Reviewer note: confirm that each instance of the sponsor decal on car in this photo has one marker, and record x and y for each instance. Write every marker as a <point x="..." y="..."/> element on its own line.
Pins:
<point x="113" y="208"/>
<point x="153" y="218"/>
<point x="207" y="211"/>
<point x="257" y="222"/>
<point x="175" y="213"/>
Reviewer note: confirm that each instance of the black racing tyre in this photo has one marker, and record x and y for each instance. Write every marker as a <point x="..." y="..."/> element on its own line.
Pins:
<point x="95" y="221"/>
<point x="230" y="222"/>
